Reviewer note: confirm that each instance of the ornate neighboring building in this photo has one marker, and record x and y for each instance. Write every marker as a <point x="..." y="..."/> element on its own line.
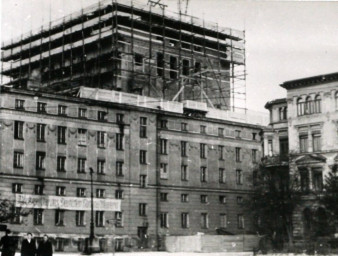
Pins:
<point x="304" y="128"/>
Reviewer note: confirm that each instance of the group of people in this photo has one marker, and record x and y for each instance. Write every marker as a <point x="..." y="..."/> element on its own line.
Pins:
<point x="28" y="246"/>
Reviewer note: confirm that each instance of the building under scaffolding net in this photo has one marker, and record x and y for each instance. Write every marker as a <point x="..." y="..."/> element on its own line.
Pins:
<point x="135" y="48"/>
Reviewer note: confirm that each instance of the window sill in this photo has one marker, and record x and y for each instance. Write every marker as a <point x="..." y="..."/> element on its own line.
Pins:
<point x="62" y="143"/>
<point x="120" y="176"/>
<point x="61" y="171"/>
<point x="40" y="169"/>
<point x="41" y="141"/>
<point x="82" y="145"/>
<point x="81" y="225"/>
<point x="18" y="167"/>
<point x="18" y="138"/>
<point x="101" y="147"/>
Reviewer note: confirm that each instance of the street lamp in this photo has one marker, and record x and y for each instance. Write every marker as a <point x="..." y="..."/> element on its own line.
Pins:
<point x="91" y="234"/>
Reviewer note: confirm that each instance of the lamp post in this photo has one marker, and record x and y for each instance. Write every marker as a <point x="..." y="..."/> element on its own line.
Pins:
<point x="91" y="234"/>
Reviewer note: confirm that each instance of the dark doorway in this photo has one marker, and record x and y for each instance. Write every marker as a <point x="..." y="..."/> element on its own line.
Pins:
<point x="142" y="233"/>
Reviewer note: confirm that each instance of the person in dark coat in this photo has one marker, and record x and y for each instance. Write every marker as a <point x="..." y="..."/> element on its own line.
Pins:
<point x="45" y="247"/>
<point x="28" y="247"/>
<point x="7" y="245"/>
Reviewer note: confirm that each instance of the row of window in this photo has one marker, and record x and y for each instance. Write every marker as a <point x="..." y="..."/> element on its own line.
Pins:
<point x="80" y="218"/>
<point x="62" y="138"/>
<point x="101" y="116"/>
<point x="309" y="106"/>
<point x="304" y="142"/>
<point x="62" y="111"/>
<point x="61" y="191"/>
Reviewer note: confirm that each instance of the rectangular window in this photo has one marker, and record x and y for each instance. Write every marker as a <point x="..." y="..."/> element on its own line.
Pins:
<point x="223" y="220"/>
<point x="239" y="200"/>
<point x="101" y="166"/>
<point x="203" y="150"/>
<point x="16" y="219"/>
<point x="119" y="194"/>
<point x="143" y="181"/>
<point x="60" y="191"/>
<point x="163" y="146"/>
<point x="142" y="209"/>
<point x="82" y="137"/>
<point x="238" y="154"/>
<point x="220" y="152"/>
<point x="316" y="142"/>
<point x="204" y="199"/>
<point x="119" y="141"/>
<point x="184" y="127"/>
<point x="164" y="222"/>
<point x="254" y="155"/>
<point x="80" y="218"/>
<point x="18" y="130"/>
<point x="59" y="244"/>
<point x="61" y="163"/>
<point x="185" y="220"/>
<point x="40" y="160"/>
<point x="164" y="197"/>
<point x="222" y="199"/>
<point x="203" y="174"/>
<point x="38" y="189"/>
<point x="173" y="67"/>
<point x="81" y="192"/>
<point x="204" y="220"/>
<point x="41" y="107"/>
<point x="222" y="175"/>
<point x="160" y="64"/>
<point x="119" y="118"/>
<point x="118" y="219"/>
<point x="270" y="147"/>
<point x="138" y="59"/>
<point x="237" y="133"/>
<point x="283" y="147"/>
<point x="317" y="177"/>
<point x="197" y="67"/>
<point x="62" y="134"/>
<point x="102" y="116"/>
<point x="303" y="143"/>
<point x="184" y="172"/>
<point x="240" y="221"/>
<point x="119" y="168"/>
<point x="143" y="127"/>
<point x="143" y="157"/>
<point x="164" y="171"/>
<point x="40" y="132"/>
<point x="100" y="193"/>
<point x="304" y="180"/>
<point x="220" y="132"/>
<point x="183" y="148"/>
<point x="81" y="165"/>
<point x="82" y="113"/>
<point x="239" y="177"/>
<point x="254" y="136"/>
<point x="17" y="188"/>
<point x="164" y="124"/>
<point x="62" y="110"/>
<point x="184" y="198"/>
<point x="18" y="159"/>
<point x="186" y="67"/>
<point x="19" y="104"/>
<point x="99" y="218"/>
<point x="59" y="217"/>
<point x="101" y="139"/>
<point x="38" y="216"/>
<point x="203" y="129"/>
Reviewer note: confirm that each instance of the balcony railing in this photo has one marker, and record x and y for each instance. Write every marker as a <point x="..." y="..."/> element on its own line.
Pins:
<point x="276" y="160"/>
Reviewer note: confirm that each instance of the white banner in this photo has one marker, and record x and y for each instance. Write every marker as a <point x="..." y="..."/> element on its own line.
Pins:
<point x="66" y="203"/>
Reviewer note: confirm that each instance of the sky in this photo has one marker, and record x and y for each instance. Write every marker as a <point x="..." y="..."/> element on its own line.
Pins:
<point x="285" y="40"/>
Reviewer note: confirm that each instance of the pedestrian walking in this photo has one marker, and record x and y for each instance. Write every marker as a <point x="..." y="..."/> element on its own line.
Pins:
<point x="7" y="244"/>
<point x="45" y="247"/>
<point x="28" y="247"/>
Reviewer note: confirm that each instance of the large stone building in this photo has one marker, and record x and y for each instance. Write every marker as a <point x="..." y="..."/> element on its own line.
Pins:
<point x="303" y="138"/>
<point x="160" y="167"/>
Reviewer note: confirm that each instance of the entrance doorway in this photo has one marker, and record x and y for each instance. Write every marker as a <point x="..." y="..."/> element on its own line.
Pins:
<point x="142" y="233"/>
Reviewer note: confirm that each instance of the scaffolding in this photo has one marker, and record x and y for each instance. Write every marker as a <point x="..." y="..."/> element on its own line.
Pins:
<point x="132" y="47"/>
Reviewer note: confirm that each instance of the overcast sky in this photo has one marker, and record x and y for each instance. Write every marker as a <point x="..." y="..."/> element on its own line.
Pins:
<point x="285" y="40"/>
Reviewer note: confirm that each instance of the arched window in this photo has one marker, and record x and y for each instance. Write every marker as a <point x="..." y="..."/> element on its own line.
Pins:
<point x="300" y="107"/>
<point x="317" y="104"/>
<point x="308" y="106"/>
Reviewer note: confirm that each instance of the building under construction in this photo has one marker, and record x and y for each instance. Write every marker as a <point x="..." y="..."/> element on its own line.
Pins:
<point x="135" y="48"/>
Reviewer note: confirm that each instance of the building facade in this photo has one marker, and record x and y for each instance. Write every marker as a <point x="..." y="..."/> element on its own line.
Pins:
<point x="304" y="127"/>
<point x="160" y="167"/>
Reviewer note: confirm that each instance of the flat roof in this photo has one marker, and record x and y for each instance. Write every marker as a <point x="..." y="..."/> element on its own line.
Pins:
<point x="308" y="81"/>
